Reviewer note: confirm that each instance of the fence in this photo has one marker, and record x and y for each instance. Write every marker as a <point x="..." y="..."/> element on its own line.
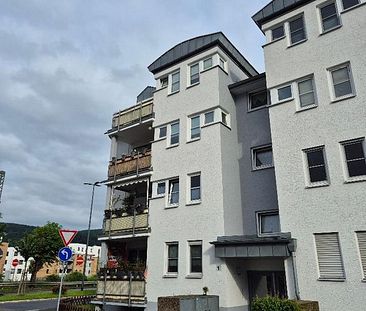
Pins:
<point x="81" y="303"/>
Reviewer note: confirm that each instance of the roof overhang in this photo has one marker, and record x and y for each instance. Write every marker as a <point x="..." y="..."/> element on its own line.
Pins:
<point x="251" y="247"/>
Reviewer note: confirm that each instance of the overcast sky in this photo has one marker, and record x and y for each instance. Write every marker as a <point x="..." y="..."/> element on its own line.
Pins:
<point x="66" y="66"/>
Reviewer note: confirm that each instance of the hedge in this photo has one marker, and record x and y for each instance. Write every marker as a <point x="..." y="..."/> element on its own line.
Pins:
<point x="274" y="304"/>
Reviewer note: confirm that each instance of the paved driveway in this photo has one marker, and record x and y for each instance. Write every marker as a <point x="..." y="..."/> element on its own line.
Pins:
<point x="40" y="305"/>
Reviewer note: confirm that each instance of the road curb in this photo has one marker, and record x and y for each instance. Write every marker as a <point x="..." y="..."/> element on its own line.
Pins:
<point x="28" y="300"/>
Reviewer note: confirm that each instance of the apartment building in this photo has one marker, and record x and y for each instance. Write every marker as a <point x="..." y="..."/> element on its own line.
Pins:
<point x="316" y="73"/>
<point x="249" y="184"/>
<point x="10" y="272"/>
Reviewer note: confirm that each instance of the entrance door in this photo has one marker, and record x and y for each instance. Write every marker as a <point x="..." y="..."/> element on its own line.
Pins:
<point x="267" y="283"/>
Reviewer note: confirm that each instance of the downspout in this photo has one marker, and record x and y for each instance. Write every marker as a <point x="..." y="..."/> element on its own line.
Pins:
<point x="292" y="249"/>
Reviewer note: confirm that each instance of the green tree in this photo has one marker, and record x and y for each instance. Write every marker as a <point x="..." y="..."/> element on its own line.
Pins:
<point x="42" y="244"/>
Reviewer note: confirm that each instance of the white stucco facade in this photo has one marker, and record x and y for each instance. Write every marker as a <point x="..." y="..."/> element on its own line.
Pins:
<point x="339" y="205"/>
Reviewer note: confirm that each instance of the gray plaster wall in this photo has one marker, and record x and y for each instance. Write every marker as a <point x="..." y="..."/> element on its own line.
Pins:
<point x="339" y="207"/>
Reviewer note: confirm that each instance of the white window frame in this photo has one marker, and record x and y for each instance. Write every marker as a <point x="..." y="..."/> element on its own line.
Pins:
<point x="189" y="188"/>
<point x="190" y="127"/>
<point x="204" y="117"/>
<point x="259" y="214"/>
<point x="170" y="134"/>
<point x="285" y="99"/>
<point x="206" y="59"/>
<point x="331" y="84"/>
<point x="171" y="82"/>
<point x="190" y="73"/>
<point x="320" y="7"/>
<point x="254" y="151"/>
<point x="344" y="159"/>
<point x="276" y="27"/>
<point x="298" y="101"/>
<point x="289" y="30"/>
<point x="166" y="261"/>
<point x="341" y="261"/>
<point x="361" y="244"/>
<point x="251" y="94"/>
<point x="359" y="2"/>
<point x="222" y="62"/>
<point x="161" y="195"/>
<point x="164" y="85"/>
<point x="308" y="182"/>
<point x="159" y="132"/>
<point x="170" y="191"/>
<point x="191" y="274"/>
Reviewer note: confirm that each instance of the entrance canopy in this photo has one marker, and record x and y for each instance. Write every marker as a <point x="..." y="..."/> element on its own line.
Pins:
<point x="252" y="246"/>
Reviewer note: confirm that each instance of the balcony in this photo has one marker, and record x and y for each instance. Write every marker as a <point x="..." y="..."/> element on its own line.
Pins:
<point x="116" y="285"/>
<point x="134" y="115"/>
<point x="130" y="165"/>
<point x="118" y="221"/>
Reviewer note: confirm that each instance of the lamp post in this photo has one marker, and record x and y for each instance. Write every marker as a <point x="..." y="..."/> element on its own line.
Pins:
<point x="96" y="184"/>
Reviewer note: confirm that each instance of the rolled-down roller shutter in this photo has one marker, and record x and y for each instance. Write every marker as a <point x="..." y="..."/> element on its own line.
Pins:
<point x="329" y="256"/>
<point x="361" y="238"/>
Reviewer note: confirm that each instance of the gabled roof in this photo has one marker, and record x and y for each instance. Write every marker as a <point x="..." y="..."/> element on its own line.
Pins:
<point x="187" y="49"/>
<point x="276" y="8"/>
<point x="147" y="93"/>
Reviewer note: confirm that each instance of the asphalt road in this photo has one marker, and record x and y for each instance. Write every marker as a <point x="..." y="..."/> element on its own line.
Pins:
<point x="40" y="305"/>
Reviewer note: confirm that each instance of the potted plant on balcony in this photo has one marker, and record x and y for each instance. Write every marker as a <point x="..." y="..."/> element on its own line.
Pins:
<point x="128" y="204"/>
<point x="107" y="213"/>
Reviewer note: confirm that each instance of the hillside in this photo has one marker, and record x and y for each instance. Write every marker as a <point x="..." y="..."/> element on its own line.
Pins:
<point x="14" y="232"/>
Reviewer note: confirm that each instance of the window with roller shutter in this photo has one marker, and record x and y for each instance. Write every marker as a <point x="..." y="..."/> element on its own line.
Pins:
<point x="361" y="239"/>
<point x="329" y="256"/>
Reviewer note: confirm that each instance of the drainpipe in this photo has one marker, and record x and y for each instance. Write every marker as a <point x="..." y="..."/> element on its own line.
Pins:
<point x="292" y="249"/>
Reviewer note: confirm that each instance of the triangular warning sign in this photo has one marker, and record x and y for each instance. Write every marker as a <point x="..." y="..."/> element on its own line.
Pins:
<point x="67" y="235"/>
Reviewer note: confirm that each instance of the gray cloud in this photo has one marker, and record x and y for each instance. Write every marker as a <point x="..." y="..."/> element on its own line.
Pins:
<point x="66" y="67"/>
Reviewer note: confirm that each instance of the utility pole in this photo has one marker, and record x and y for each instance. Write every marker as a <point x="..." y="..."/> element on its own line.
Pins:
<point x="2" y="179"/>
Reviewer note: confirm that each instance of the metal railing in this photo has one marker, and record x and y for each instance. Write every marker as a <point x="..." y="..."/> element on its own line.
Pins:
<point x="124" y="222"/>
<point x="132" y="115"/>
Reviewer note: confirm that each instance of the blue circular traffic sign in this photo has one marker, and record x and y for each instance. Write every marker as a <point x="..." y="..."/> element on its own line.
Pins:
<point x="65" y="254"/>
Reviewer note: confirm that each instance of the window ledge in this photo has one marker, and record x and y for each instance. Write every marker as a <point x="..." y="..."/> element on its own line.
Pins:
<point x="297" y="43"/>
<point x="172" y="146"/>
<point x="159" y="139"/>
<point x="171" y="206"/>
<point x="258" y="108"/>
<point x="353" y="7"/>
<point x="330" y="30"/>
<point x="194" y="203"/>
<point x="192" y="85"/>
<point x="227" y="126"/>
<point x="273" y="41"/>
<point x="209" y="124"/>
<point x="351" y="180"/>
<point x="194" y="276"/>
<point x="193" y="140"/>
<point x="342" y="98"/>
<point x="317" y="185"/>
<point x="331" y="280"/>
<point x="282" y="102"/>
<point x="170" y="276"/>
<point x="255" y="169"/>
<point x="173" y="93"/>
<point x="306" y="108"/>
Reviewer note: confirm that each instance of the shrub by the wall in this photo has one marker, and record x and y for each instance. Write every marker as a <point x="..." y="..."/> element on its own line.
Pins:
<point x="52" y="278"/>
<point x="274" y="304"/>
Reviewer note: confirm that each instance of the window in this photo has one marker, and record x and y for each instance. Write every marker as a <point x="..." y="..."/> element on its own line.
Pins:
<point x="316" y="165"/>
<point x="21" y="262"/>
<point x="195" y="249"/>
<point x="257" y="100"/>
<point x="195" y="73"/>
<point x="306" y="92"/>
<point x="207" y="63"/>
<point x="162" y="132"/>
<point x="195" y="188"/>
<point x="195" y="127"/>
<point x="224" y="117"/>
<point x="174" y="133"/>
<point x="268" y="223"/>
<point x="160" y="190"/>
<point x="349" y="3"/>
<point x="278" y="32"/>
<point x="164" y="82"/>
<point x="297" y="30"/>
<point x="172" y="262"/>
<point x="355" y="157"/>
<point x="16" y="254"/>
<point x="262" y="157"/>
<point x="361" y="239"/>
<point x="174" y="191"/>
<point x="175" y="82"/>
<point x="329" y="16"/>
<point x="284" y="93"/>
<point x="329" y="255"/>
<point x="209" y="117"/>
<point x="19" y="271"/>
<point x="341" y="79"/>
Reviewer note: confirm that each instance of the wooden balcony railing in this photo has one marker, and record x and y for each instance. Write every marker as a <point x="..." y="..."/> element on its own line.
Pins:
<point x="126" y="223"/>
<point x="132" y="115"/>
<point x="117" y="285"/>
<point x="130" y="165"/>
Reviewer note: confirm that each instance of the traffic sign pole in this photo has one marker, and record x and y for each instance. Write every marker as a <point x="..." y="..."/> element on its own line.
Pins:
<point x="60" y="289"/>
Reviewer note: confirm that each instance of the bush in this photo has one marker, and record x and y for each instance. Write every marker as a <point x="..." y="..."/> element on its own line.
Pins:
<point x="274" y="304"/>
<point x="74" y="277"/>
<point x="55" y="289"/>
<point x="52" y="278"/>
<point x="93" y="277"/>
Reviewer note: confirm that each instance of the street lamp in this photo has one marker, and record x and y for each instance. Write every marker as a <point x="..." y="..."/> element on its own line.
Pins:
<point x="96" y="184"/>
